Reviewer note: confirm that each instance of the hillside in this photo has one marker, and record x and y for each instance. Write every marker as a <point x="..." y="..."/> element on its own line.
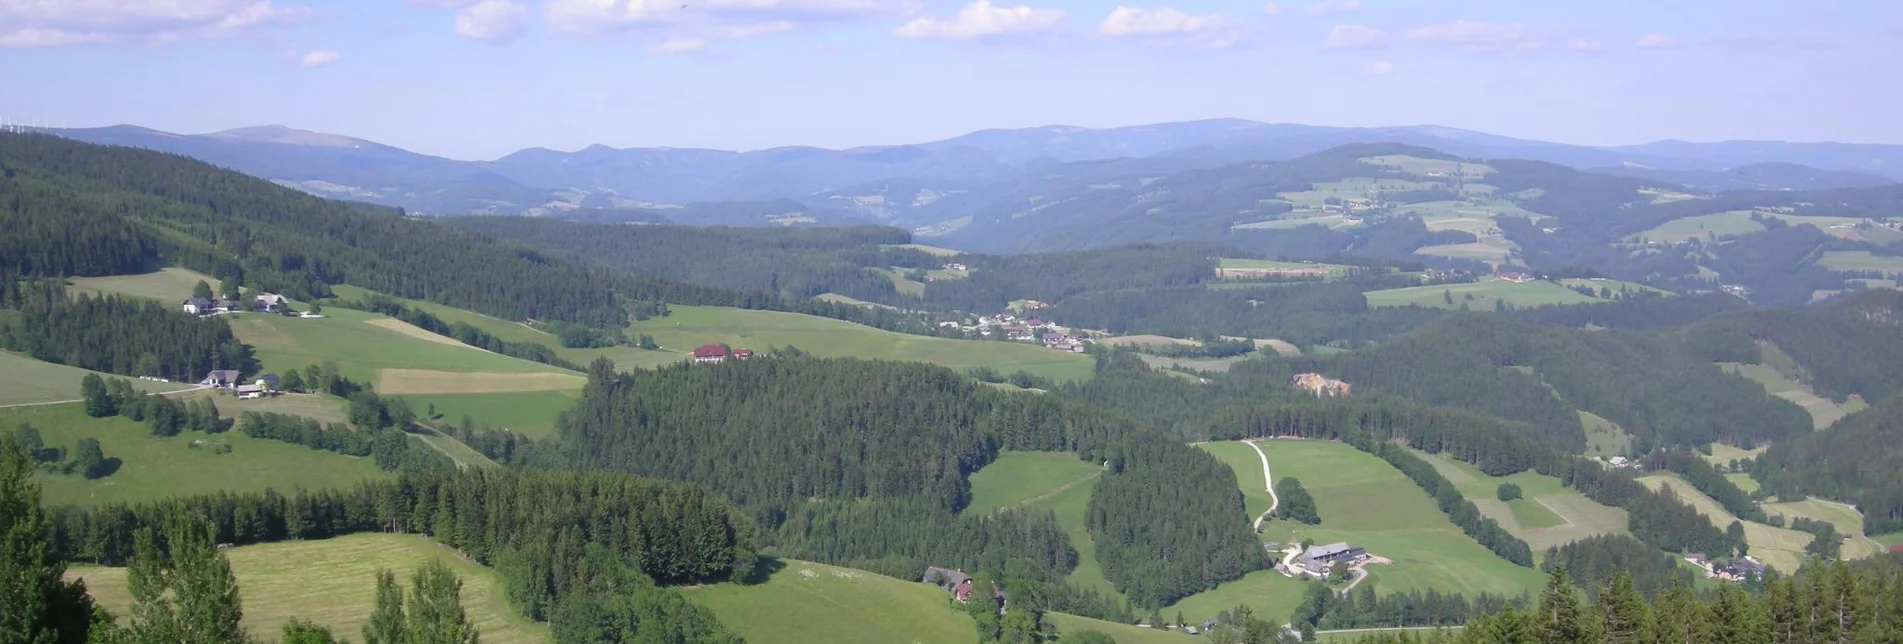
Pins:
<point x="800" y="601"/>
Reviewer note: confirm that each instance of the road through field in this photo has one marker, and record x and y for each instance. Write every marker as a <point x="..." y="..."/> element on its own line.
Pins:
<point x="62" y="402"/>
<point x="1270" y="479"/>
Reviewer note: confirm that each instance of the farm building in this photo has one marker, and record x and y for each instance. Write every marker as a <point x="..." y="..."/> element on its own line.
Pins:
<point x="710" y="354"/>
<point x="247" y="392"/>
<point x="224" y="378"/>
<point x="1516" y="278"/>
<point x="1317" y="559"/>
<point x="955" y="582"/>
<point x="271" y="302"/>
<point x="196" y="306"/>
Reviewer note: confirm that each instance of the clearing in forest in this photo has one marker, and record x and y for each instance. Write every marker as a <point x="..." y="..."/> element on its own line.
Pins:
<point x="167" y="285"/>
<point x="333" y="582"/>
<point x="1366" y="502"/>
<point x="1547" y="514"/>
<point x="1780" y="548"/>
<point x="1068" y="625"/>
<point x="529" y="412"/>
<point x="1783" y="377"/>
<point x="24" y="380"/>
<point x="362" y="350"/>
<point x="1478" y="296"/>
<point x="1016" y="478"/>
<point x="1604" y="438"/>
<point x="1702" y="227"/>
<point x="151" y="467"/>
<point x="802" y="602"/>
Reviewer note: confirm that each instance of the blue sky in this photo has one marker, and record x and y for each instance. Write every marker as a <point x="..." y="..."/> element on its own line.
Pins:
<point x="480" y="78"/>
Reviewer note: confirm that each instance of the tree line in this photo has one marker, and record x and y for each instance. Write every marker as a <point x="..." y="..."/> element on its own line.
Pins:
<point x="461" y="331"/>
<point x="1856" y="460"/>
<point x="116" y="334"/>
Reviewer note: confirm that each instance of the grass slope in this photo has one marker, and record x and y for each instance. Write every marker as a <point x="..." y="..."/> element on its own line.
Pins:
<point x="1069" y="505"/>
<point x="1780" y="548"/>
<point x="1368" y="503"/>
<point x="333" y="582"/>
<point x="1547" y="515"/>
<point x="24" y="380"/>
<point x="1016" y="478"/>
<point x="1604" y="438"/>
<point x="154" y="468"/>
<point x="169" y="285"/>
<point x="1068" y="625"/>
<point x="329" y="409"/>
<point x="1823" y="411"/>
<point x="366" y="349"/>
<point x="804" y="602"/>
<point x="1487" y="295"/>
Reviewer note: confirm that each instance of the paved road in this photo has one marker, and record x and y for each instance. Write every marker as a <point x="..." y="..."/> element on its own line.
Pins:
<point x="1266" y="476"/>
<point x="62" y="402"/>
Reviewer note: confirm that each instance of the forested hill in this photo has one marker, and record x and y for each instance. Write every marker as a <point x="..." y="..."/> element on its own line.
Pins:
<point x="1653" y="385"/>
<point x="1857" y="459"/>
<point x="1850" y="345"/>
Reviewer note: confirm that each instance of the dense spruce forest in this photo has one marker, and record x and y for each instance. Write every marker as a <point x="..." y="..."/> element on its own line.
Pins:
<point x="115" y="334"/>
<point x="1161" y="504"/>
<point x="1857" y="460"/>
<point x="1332" y="314"/>
<point x="1651" y="385"/>
<point x="1847" y="345"/>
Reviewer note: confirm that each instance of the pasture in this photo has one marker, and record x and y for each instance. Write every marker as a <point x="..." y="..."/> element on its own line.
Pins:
<point x="1702" y="227"/>
<point x="1017" y="478"/>
<point x="530" y="412"/>
<point x="1479" y="296"/>
<point x="691" y="326"/>
<point x="932" y="250"/>
<point x="1860" y="260"/>
<point x="152" y="468"/>
<point x="1353" y="188"/>
<point x="169" y="285"/>
<point x="1547" y="515"/>
<point x="1166" y="363"/>
<point x="802" y="602"/>
<point x="904" y="285"/>
<point x="333" y="582"/>
<point x="1780" y="548"/>
<point x="1123" y="633"/>
<point x="1490" y="251"/>
<point x="1429" y="167"/>
<point x="1823" y="411"/>
<point x="1147" y="341"/>
<point x="1846" y="519"/>
<point x="1238" y="268"/>
<point x="1604" y="438"/>
<point x="366" y="349"/>
<point x="1298" y="218"/>
<point x="329" y="409"/>
<point x="1366" y="502"/>
<point x="25" y="381"/>
<point x="1722" y="454"/>
<point x="1066" y="500"/>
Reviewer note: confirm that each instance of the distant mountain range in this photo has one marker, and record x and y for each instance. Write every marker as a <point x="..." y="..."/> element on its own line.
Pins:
<point x="540" y="181"/>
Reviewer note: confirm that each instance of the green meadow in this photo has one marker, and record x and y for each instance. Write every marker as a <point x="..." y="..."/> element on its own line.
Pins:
<point x="1860" y="260"/>
<point x="398" y="358"/>
<point x="25" y="381"/>
<point x="530" y="412"/>
<point x="1604" y="438"/>
<point x="1366" y="502"/>
<point x="1122" y="633"/>
<point x="1780" y="548"/>
<point x="1017" y="478"/>
<point x="152" y="467"/>
<point x="1722" y="224"/>
<point x="803" y="602"/>
<point x="171" y="285"/>
<point x="1547" y="514"/>
<point x="1486" y="295"/>
<point x="333" y="582"/>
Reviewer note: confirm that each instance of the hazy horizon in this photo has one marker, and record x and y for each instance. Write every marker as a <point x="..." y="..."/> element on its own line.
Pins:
<point x="478" y="79"/>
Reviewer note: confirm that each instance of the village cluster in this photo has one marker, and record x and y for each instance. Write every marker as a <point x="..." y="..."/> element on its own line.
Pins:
<point x="1734" y="569"/>
<point x="1028" y="329"/>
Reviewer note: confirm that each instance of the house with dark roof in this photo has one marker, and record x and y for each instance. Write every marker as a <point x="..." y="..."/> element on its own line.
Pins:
<point x="710" y="354"/>
<point x="196" y="306"/>
<point x="224" y="378"/>
<point x="247" y="392"/>
<point x="955" y="582"/>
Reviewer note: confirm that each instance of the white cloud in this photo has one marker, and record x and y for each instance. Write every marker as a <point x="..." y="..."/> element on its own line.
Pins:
<point x="738" y="32"/>
<point x="981" y="19"/>
<point x="1354" y="36"/>
<point x="1168" y="23"/>
<point x="318" y="58"/>
<point x="45" y="23"/>
<point x="1376" y="68"/>
<point x="1326" y="7"/>
<point x="680" y="45"/>
<point x="492" y="20"/>
<point x="1272" y="9"/>
<point x="1489" y="38"/>
<point x="1657" y="41"/>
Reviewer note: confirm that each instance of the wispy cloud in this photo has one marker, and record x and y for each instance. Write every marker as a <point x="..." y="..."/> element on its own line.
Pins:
<point x="1376" y="68"/>
<point x="52" y="23"/>
<point x="491" y="20"/>
<point x="1170" y="25"/>
<point x="1479" y="37"/>
<point x="688" y="25"/>
<point x="318" y="58"/>
<point x="1658" y="41"/>
<point x="1272" y="9"/>
<point x="1326" y="7"/>
<point x="1354" y="37"/>
<point x="982" y="20"/>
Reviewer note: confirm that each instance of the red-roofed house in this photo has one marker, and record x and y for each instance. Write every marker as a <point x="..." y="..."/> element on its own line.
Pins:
<point x="710" y="353"/>
<point x="742" y="354"/>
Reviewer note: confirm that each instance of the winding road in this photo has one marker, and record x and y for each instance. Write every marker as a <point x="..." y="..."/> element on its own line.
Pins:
<point x="1270" y="478"/>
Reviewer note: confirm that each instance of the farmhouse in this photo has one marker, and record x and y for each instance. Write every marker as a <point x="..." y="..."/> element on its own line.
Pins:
<point x="222" y="378"/>
<point x="1317" y="559"/>
<point x="1319" y="385"/>
<point x="270" y="302"/>
<point x="742" y="354"/>
<point x="1516" y="278"/>
<point x="197" y="306"/>
<point x="955" y="582"/>
<point x="710" y="354"/>
<point x="247" y="392"/>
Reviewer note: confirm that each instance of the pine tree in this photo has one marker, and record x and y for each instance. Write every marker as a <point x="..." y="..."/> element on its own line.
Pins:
<point x="1682" y="618"/>
<point x="36" y="605"/>
<point x="1627" y="619"/>
<point x="1559" y="620"/>
<point x="190" y="596"/>
<point x="387" y="624"/>
<point x="93" y="389"/>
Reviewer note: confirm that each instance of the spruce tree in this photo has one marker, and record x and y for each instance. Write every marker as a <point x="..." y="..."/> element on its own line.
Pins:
<point x="1559" y="620"/>
<point x="1626" y="617"/>
<point x="36" y="605"/>
<point x="188" y="595"/>
<point x="1681" y="617"/>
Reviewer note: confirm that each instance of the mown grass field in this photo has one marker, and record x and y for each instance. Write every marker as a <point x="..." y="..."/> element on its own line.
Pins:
<point x="1548" y="514"/>
<point x="691" y="326"/>
<point x="804" y="602"/>
<point x="170" y="285"/>
<point x="1823" y="411"/>
<point x="1068" y="625"/>
<point x="153" y="468"/>
<point x="329" y="409"/>
<point x="934" y="250"/>
<point x="24" y="380"/>
<point x="1842" y="516"/>
<point x="1334" y="270"/>
<point x="1780" y="548"/>
<point x="366" y="349"/>
<point x="1860" y="260"/>
<point x="1487" y="295"/>
<point x="1218" y="365"/>
<point x="1722" y="224"/>
<point x="1017" y="477"/>
<point x="1248" y="468"/>
<point x="530" y="412"/>
<point x="1424" y="167"/>
<point x="1366" y="502"/>
<point x="333" y="582"/>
